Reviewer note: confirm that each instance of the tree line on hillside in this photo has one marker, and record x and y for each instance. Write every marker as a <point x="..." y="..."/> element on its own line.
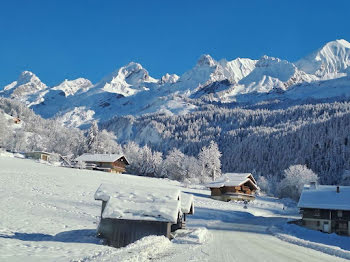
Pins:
<point x="36" y="133"/>
<point x="262" y="141"/>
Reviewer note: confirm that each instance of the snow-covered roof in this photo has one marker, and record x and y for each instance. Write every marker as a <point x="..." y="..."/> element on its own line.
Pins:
<point x="165" y="211"/>
<point x="108" y="158"/>
<point x="325" y="197"/>
<point x="187" y="203"/>
<point x="137" y="193"/>
<point x="41" y="152"/>
<point x="233" y="179"/>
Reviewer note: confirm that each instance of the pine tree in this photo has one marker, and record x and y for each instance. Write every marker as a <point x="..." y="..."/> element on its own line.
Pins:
<point x="92" y="137"/>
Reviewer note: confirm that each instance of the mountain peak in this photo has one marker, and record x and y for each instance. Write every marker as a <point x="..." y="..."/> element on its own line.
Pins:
<point x="70" y="87"/>
<point x="206" y="60"/>
<point x="127" y="80"/>
<point x="339" y="42"/>
<point x="26" y="77"/>
<point x="330" y="61"/>
<point x="266" y="61"/>
<point x="132" y="67"/>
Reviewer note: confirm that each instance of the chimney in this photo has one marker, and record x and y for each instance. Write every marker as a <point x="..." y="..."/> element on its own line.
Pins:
<point x="313" y="185"/>
<point x="338" y="189"/>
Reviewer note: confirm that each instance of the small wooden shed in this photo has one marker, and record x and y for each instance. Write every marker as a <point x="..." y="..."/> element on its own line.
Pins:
<point x="145" y="196"/>
<point x="125" y="221"/>
<point x="40" y="155"/>
<point x="234" y="186"/>
<point x="114" y="163"/>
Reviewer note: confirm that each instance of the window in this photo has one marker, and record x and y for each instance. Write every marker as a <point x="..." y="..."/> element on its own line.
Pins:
<point x="340" y="213"/>
<point x="317" y="213"/>
<point x="343" y="226"/>
<point x="318" y="223"/>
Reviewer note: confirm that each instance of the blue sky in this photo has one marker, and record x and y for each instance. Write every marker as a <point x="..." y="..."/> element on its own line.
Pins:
<point x="84" y="38"/>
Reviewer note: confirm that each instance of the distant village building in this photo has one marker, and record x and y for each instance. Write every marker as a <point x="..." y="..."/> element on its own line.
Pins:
<point x="130" y="213"/>
<point x="326" y="208"/>
<point x="16" y="120"/>
<point x="234" y="186"/>
<point x="114" y="163"/>
<point x="40" y="155"/>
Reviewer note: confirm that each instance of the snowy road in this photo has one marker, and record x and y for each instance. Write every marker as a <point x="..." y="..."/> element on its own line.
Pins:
<point x="246" y="240"/>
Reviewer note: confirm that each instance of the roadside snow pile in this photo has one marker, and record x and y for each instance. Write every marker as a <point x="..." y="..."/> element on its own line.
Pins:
<point x="5" y="154"/>
<point x="331" y="244"/>
<point x="145" y="249"/>
<point x="191" y="236"/>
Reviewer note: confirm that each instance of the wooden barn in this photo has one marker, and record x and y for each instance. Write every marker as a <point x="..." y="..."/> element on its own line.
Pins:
<point x="124" y="222"/>
<point x="40" y="155"/>
<point x="113" y="163"/>
<point x="234" y="186"/>
<point x="326" y="208"/>
<point x="144" y="196"/>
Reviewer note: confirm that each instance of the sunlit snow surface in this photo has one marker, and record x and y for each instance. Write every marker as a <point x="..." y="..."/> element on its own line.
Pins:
<point x="49" y="214"/>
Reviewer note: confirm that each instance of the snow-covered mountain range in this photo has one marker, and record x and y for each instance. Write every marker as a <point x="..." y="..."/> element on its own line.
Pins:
<point x="131" y="90"/>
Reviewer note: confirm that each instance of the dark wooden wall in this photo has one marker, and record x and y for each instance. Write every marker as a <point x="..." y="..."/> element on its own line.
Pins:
<point x="120" y="233"/>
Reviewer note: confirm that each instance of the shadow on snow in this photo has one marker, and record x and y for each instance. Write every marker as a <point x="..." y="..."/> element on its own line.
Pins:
<point x="239" y="221"/>
<point x="73" y="236"/>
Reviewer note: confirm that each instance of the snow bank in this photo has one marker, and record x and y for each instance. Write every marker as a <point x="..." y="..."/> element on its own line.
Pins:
<point x="331" y="244"/>
<point x="191" y="236"/>
<point x="4" y="153"/>
<point x="145" y="249"/>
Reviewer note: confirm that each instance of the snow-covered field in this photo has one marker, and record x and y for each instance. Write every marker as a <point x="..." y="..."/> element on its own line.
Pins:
<point x="49" y="214"/>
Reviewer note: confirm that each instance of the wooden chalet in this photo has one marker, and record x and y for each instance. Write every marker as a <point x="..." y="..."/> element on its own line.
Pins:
<point x="326" y="208"/>
<point x="234" y="186"/>
<point x="155" y="205"/>
<point x="113" y="163"/>
<point x="40" y="155"/>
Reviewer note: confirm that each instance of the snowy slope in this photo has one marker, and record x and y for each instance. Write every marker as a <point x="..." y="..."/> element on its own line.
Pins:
<point x="51" y="215"/>
<point x="270" y="73"/>
<point x="71" y="87"/>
